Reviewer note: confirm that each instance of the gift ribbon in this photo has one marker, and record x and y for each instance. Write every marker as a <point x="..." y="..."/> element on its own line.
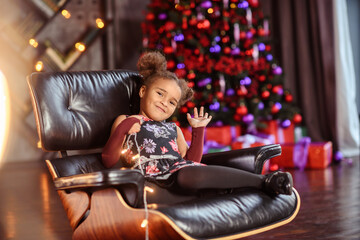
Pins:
<point x="301" y="151"/>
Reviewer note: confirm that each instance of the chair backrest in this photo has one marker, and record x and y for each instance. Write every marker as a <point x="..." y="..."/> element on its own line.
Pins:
<point x="75" y="110"/>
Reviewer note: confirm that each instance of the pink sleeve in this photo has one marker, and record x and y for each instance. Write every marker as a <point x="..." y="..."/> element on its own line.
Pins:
<point x="112" y="150"/>
<point x="195" y="152"/>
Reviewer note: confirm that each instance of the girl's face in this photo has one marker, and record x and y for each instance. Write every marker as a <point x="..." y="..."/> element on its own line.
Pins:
<point x="159" y="100"/>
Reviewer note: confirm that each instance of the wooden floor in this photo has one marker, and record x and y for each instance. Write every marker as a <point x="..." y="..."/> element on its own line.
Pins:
<point x="330" y="208"/>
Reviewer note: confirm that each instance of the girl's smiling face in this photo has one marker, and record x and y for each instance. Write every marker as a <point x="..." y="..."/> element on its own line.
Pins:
<point x="159" y="100"/>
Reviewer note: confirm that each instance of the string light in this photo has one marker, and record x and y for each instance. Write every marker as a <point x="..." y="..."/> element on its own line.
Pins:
<point x="66" y="14"/>
<point x="39" y="66"/>
<point x="100" y="23"/>
<point x="80" y="46"/>
<point x="33" y="43"/>
<point x="144" y="223"/>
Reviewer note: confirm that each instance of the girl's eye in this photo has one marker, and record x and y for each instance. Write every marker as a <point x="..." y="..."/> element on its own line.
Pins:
<point x="159" y="93"/>
<point x="172" y="103"/>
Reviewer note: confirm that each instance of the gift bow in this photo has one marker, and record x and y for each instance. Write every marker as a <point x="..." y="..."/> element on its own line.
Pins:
<point x="301" y="151"/>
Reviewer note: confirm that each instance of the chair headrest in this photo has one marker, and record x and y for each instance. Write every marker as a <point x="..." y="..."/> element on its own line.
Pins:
<point x="75" y="110"/>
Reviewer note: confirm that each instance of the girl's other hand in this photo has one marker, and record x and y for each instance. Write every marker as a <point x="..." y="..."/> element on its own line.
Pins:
<point x="200" y="119"/>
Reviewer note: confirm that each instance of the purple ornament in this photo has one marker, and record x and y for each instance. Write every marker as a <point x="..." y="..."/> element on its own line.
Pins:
<point x="215" y="106"/>
<point x="338" y="156"/>
<point x="280" y="91"/>
<point x="278" y="105"/>
<point x="248" y="118"/>
<point x="180" y="65"/>
<point x="206" y="4"/>
<point x="269" y="57"/>
<point x="230" y="92"/>
<point x="219" y="123"/>
<point x="217" y="39"/>
<point x="215" y="49"/>
<point x="235" y="51"/>
<point x="179" y="37"/>
<point x="261" y="47"/>
<point x="286" y="123"/>
<point x="277" y="70"/>
<point x="162" y="16"/>
<point x="204" y="82"/>
<point x="261" y="106"/>
<point x="249" y="35"/>
<point x="243" y="4"/>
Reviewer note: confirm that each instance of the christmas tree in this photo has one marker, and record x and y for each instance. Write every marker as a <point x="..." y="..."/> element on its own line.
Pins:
<point x="222" y="47"/>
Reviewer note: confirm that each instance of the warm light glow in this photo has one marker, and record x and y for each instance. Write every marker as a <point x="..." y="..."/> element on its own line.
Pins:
<point x="66" y="14"/>
<point x="80" y="47"/>
<point x="210" y="10"/>
<point x="4" y="114"/>
<point x="100" y="23"/>
<point x="232" y="5"/>
<point x="39" y="66"/>
<point x="144" y="223"/>
<point x="136" y="156"/>
<point x="33" y="43"/>
<point x="149" y="189"/>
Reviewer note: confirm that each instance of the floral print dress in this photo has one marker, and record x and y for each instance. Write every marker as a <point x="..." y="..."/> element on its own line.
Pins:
<point x="155" y="151"/>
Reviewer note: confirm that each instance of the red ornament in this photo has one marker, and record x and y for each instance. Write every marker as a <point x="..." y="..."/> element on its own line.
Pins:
<point x="190" y="104"/>
<point x="203" y="24"/>
<point x="268" y="48"/>
<point x="253" y="3"/>
<point x="242" y="110"/>
<point x="184" y="109"/>
<point x="288" y="98"/>
<point x="191" y="75"/>
<point x="169" y="26"/>
<point x="265" y="94"/>
<point x="227" y="50"/>
<point x="191" y="84"/>
<point x="297" y="118"/>
<point x="262" y="78"/>
<point x="168" y="50"/>
<point x="220" y="95"/>
<point x="170" y="64"/>
<point x="242" y="91"/>
<point x="276" y="89"/>
<point x="242" y="35"/>
<point x="237" y="117"/>
<point x="261" y="32"/>
<point x="193" y="21"/>
<point x="150" y="16"/>
<point x="225" y="39"/>
<point x="274" y="109"/>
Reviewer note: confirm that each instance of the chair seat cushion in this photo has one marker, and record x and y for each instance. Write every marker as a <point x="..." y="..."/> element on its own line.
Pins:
<point x="230" y="214"/>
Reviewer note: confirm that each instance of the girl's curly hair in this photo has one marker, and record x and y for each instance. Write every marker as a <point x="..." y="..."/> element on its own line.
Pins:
<point x="153" y="66"/>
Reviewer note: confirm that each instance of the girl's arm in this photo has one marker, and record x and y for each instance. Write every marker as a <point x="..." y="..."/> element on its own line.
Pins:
<point x="198" y="124"/>
<point x="121" y="127"/>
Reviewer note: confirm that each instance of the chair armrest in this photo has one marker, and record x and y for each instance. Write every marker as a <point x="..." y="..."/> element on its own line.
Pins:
<point x="249" y="159"/>
<point x="103" y="179"/>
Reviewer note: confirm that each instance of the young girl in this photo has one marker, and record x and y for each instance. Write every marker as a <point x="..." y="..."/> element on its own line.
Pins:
<point x="159" y="149"/>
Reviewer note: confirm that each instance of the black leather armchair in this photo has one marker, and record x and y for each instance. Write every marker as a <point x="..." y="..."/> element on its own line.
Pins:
<point x="74" y="113"/>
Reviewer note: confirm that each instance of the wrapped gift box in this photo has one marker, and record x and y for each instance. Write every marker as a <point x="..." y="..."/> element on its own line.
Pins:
<point x="252" y="140"/>
<point x="222" y="135"/>
<point x="240" y="145"/>
<point x="318" y="157"/>
<point x="281" y="135"/>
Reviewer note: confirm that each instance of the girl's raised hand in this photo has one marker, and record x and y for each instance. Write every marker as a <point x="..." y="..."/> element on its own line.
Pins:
<point x="200" y="119"/>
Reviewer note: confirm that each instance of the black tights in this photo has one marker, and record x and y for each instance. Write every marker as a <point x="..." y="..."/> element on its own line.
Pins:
<point x="204" y="177"/>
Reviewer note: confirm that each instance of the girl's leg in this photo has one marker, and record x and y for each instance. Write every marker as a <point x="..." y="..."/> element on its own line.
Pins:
<point x="200" y="177"/>
<point x="205" y="177"/>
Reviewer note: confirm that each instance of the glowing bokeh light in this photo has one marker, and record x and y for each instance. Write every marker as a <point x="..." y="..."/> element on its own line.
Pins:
<point x="4" y="115"/>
